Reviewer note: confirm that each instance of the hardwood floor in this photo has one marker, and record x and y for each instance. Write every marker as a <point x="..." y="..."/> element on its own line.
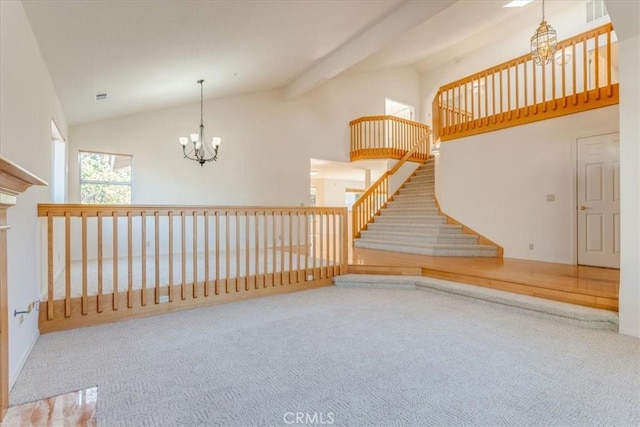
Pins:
<point x="587" y="286"/>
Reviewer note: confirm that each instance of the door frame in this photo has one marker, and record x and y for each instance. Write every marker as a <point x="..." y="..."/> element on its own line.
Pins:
<point x="574" y="194"/>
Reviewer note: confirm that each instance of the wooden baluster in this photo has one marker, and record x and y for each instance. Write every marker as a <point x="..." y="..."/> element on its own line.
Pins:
<point x="236" y="217"/>
<point x="50" y="267"/>
<point x="564" y="80"/>
<point x="321" y="252"/>
<point x="156" y="241"/>
<point x="67" y="264"/>
<point x="265" y="262"/>
<point x="170" y="256"/>
<point x="609" y="64"/>
<point x="553" y="81"/>
<point x="509" y="109"/>
<point x="306" y="245"/>
<point x="246" y="251"/>
<point x="206" y="254"/>
<point x="493" y="97"/>
<point x="194" y="216"/>
<point x="597" y="65"/>
<point x="526" y="88"/>
<point x="333" y="249"/>
<point x="129" y="260"/>
<point x="84" y="308"/>
<point x="114" y="294"/>
<point x="544" y="87"/>
<point x="486" y="98"/>
<point x="281" y="239"/>
<point x="143" y="245"/>
<point x="227" y="252"/>
<point x="534" y="77"/>
<point x="315" y="246"/>
<point x="518" y="89"/>
<point x="585" y="82"/>
<point x="345" y="242"/>
<point x="574" y="72"/>
<point x="466" y="107"/>
<point x="100" y="257"/>
<point x="183" y="255"/>
<point x="217" y="282"/>
<point x="274" y="263"/>
<point x="290" y="269"/>
<point x="298" y="247"/>
<point x="501" y="95"/>
<point x="256" y="232"/>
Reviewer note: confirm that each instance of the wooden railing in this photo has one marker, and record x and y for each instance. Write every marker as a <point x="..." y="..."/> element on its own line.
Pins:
<point x="376" y="196"/>
<point x="386" y="137"/>
<point x="112" y="262"/>
<point x="583" y="76"/>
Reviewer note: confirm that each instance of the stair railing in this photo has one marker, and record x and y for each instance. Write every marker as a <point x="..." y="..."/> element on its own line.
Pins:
<point x="376" y="196"/>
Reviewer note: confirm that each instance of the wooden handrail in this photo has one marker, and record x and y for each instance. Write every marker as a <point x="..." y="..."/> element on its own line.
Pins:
<point x="389" y="137"/>
<point x="517" y="91"/>
<point x="376" y="196"/>
<point x="111" y="262"/>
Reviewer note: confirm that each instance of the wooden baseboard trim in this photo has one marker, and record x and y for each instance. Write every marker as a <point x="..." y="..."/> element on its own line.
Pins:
<point x="109" y="315"/>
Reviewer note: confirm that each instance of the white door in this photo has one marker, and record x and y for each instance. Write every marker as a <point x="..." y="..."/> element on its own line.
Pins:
<point x="599" y="200"/>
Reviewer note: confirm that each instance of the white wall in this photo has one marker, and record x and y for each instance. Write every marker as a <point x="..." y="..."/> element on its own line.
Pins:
<point x="28" y="102"/>
<point x="267" y="141"/>
<point x="497" y="182"/>
<point x="331" y="192"/>
<point x="629" y="297"/>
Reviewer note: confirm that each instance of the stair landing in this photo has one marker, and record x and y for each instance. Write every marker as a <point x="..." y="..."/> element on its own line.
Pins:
<point x="581" y="285"/>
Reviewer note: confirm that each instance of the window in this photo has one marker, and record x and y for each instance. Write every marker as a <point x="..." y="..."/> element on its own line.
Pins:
<point x="105" y="178"/>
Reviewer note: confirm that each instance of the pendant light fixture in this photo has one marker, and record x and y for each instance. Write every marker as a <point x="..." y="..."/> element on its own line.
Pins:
<point x="200" y="151"/>
<point x="544" y="42"/>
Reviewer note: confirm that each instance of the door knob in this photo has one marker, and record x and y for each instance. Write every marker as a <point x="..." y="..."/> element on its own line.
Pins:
<point x="582" y="208"/>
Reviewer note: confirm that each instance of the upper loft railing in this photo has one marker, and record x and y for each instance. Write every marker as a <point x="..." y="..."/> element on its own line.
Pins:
<point x="387" y="137"/>
<point x="583" y="76"/>
<point x="376" y="196"/>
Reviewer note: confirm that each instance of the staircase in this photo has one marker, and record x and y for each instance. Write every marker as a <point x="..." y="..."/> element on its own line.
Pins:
<point x="412" y="223"/>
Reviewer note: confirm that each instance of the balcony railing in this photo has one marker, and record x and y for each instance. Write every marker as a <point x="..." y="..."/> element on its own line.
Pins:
<point x="387" y="137"/>
<point x="583" y="76"/>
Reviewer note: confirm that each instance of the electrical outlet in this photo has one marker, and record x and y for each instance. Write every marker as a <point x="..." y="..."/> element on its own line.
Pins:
<point x="310" y="277"/>
<point x="29" y="307"/>
<point x="530" y="246"/>
<point x="20" y="319"/>
<point x="164" y="298"/>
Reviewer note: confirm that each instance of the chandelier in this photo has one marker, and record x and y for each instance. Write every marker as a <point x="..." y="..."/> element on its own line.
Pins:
<point x="543" y="42"/>
<point x="200" y="151"/>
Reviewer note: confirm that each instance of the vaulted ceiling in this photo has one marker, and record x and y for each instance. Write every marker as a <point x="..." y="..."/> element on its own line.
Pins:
<point x="148" y="54"/>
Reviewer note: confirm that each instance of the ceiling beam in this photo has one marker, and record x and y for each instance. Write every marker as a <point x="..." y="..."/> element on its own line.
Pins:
<point x="406" y="17"/>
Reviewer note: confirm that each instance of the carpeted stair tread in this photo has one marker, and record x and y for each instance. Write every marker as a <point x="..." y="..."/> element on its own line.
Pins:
<point x="431" y="238"/>
<point x="428" y="249"/>
<point x="413" y="228"/>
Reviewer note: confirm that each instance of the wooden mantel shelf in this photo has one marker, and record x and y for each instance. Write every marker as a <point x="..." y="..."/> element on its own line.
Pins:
<point x="14" y="180"/>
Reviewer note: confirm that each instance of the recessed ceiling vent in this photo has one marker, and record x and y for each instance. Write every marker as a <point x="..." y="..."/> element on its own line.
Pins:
<point x="101" y="97"/>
